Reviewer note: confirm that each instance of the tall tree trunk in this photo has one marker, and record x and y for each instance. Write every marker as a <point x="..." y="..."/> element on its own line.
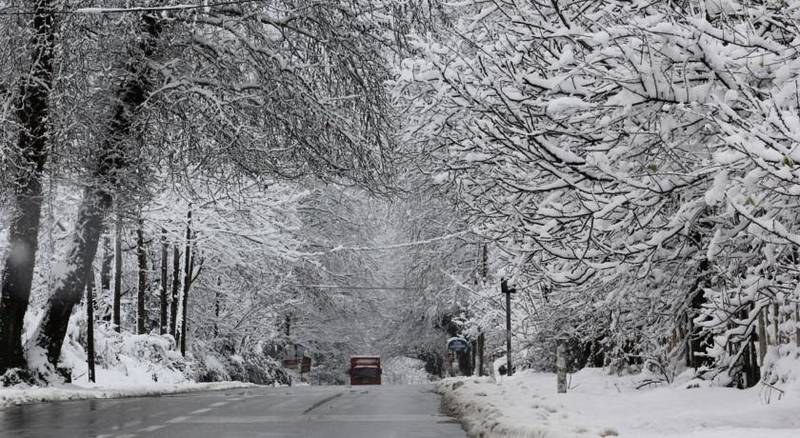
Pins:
<point x="105" y="273"/>
<point x="797" y="324"/>
<point x="217" y="304"/>
<point x="164" y="270"/>
<point x="90" y="326"/>
<point x="561" y="367"/>
<point x="776" y="324"/>
<point x="762" y="336"/>
<point x="177" y="338"/>
<point x="482" y="358"/>
<point x="23" y="236"/>
<point x="118" y="275"/>
<point x="141" y="256"/>
<point x="187" y="278"/>
<point x="97" y="199"/>
<point x="53" y="327"/>
<point x="176" y="287"/>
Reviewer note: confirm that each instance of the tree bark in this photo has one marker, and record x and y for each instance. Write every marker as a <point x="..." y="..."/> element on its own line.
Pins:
<point x="217" y="304"/>
<point x="90" y="326"/>
<point x="141" y="256"/>
<point x="176" y="287"/>
<point x="776" y="323"/>
<point x="482" y="358"/>
<point x="53" y="327"/>
<point x="32" y="114"/>
<point x="97" y="198"/>
<point x="561" y="367"/>
<point x="762" y="336"/>
<point x="118" y="275"/>
<point x="187" y="278"/>
<point x="164" y="270"/>
<point x="105" y="274"/>
<point x="797" y="324"/>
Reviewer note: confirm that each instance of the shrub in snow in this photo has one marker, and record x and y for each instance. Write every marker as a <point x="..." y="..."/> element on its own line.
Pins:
<point x="123" y="358"/>
<point x="17" y="377"/>
<point x="210" y="369"/>
<point x="782" y="366"/>
<point x="401" y="370"/>
<point x="258" y="368"/>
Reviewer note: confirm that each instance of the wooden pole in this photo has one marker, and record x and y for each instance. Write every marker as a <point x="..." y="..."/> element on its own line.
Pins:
<point x="164" y="270"/>
<point x="689" y="351"/>
<point x="105" y="275"/>
<point x="509" y="369"/>
<point x="797" y="323"/>
<point x="776" y="316"/>
<point x="176" y="286"/>
<point x="187" y="279"/>
<point x="90" y="325"/>
<point x="561" y="367"/>
<point x="762" y="338"/>
<point x="117" y="311"/>
<point x="481" y="359"/>
<point x="141" y="258"/>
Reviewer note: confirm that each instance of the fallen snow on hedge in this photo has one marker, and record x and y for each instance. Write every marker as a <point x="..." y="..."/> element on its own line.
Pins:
<point x="527" y="405"/>
<point x="401" y="370"/>
<point x="131" y="365"/>
<point x="15" y="396"/>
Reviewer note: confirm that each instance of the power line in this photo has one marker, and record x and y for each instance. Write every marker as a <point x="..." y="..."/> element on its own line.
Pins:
<point x="334" y="286"/>
<point x="134" y="9"/>
<point x="391" y="246"/>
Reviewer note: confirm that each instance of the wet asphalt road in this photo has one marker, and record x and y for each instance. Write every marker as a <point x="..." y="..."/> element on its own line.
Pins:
<point x="329" y="412"/>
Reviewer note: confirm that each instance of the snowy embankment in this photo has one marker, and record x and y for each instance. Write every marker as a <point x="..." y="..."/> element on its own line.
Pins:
<point x="130" y="365"/>
<point x="15" y="396"/>
<point x="598" y="405"/>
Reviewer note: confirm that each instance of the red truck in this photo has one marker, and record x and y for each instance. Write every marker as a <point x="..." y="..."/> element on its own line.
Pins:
<point x="365" y="370"/>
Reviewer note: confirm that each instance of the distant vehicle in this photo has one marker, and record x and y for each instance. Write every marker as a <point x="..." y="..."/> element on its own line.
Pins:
<point x="365" y="370"/>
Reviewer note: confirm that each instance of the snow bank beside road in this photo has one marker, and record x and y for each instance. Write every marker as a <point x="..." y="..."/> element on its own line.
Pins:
<point x="130" y="365"/>
<point x="527" y="406"/>
<point x="11" y="397"/>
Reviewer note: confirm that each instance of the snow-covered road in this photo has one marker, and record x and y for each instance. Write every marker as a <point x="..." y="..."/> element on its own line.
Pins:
<point x="330" y="412"/>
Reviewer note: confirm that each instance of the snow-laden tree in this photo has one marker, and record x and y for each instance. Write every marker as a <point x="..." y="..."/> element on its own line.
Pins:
<point x="237" y="92"/>
<point x="637" y="155"/>
<point x="27" y="80"/>
<point x="429" y="263"/>
<point x="241" y="251"/>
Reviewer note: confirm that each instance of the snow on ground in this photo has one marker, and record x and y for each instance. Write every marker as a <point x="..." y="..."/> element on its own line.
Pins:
<point x="18" y="396"/>
<point x="401" y="370"/>
<point x="527" y="405"/>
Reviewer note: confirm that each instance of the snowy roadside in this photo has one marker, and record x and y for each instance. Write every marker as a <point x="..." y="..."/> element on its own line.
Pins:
<point x="527" y="406"/>
<point x="13" y="396"/>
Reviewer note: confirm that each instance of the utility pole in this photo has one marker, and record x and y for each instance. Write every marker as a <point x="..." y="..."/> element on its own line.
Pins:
<point x="484" y="272"/>
<point x="561" y="367"/>
<point x="508" y="291"/>
<point x="163" y="321"/>
<point x="90" y="324"/>
<point x="141" y="257"/>
<point x="188" y="270"/>
<point x="117" y="306"/>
